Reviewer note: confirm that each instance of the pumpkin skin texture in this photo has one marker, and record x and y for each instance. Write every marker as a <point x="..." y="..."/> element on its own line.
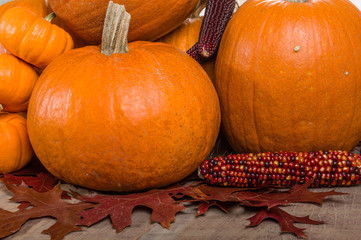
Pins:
<point x="2" y="49"/>
<point x="31" y="38"/>
<point x="16" y="150"/>
<point x="17" y="80"/>
<point x="38" y="7"/>
<point x="4" y="7"/>
<point x="150" y="19"/>
<point x="185" y="36"/>
<point x="288" y="76"/>
<point x="124" y="122"/>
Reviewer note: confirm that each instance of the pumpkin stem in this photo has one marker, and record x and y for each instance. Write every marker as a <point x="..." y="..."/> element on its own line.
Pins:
<point x="50" y="17"/>
<point x="115" y="30"/>
<point x="297" y="1"/>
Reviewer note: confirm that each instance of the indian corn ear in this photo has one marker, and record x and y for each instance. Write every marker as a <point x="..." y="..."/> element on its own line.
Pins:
<point x="324" y="168"/>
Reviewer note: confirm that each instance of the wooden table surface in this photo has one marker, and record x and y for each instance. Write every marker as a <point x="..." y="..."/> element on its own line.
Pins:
<point x="342" y="215"/>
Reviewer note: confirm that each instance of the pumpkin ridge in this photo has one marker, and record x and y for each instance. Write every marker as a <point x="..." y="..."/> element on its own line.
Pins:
<point x="254" y="83"/>
<point x="29" y="35"/>
<point x="348" y="131"/>
<point x="25" y="34"/>
<point x="317" y="52"/>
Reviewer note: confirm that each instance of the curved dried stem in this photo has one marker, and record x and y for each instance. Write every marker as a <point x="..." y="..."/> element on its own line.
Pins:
<point x="50" y="17"/>
<point x="115" y="30"/>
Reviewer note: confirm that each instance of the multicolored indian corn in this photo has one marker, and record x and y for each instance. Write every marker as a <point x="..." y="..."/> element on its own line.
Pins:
<point x="324" y="168"/>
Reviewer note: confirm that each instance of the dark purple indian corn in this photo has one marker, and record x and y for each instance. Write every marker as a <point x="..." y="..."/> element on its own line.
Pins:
<point x="216" y="17"/>
<point x="324" y="168"/>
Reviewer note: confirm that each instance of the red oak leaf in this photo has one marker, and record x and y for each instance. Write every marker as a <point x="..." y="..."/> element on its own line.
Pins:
<point x="40" y="182"/>
<point x="285" y="219"/>
<point x="120" y="207"/>
<point x="204" y="206"/>
<point x="44" y="204"/>
<point x="297" y="193"/>
<point x="268" y="197"/>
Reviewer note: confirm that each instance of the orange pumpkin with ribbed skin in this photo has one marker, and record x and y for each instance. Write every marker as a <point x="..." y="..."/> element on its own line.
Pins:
<point x="150" y="19"/>
<point x="16" y="150"/>
<point x="17" y="80"/>
<point x="124" y="122"/>
<point x="32" y="38"/>
<point x="185" y="36"/>
<point x="289" y="76"/>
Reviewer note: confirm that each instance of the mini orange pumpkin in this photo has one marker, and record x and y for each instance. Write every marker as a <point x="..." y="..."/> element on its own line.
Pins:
<point x="16" y="150"/>
<point x="31" y="38"/>
<point x="17" y="80"/>
<point x="126" y="121"/>
<point x="151" y="19"/>
<point x="288" y="76"/>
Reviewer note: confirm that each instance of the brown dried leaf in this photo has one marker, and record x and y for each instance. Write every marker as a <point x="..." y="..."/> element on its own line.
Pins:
<point x="285" y="219"/>
<point x="265" y="197"/>
<point x="120" y="207"/>
<point x="44" y="204"/>
<point x="204" y="206"/>
<point x="40" y="182"/>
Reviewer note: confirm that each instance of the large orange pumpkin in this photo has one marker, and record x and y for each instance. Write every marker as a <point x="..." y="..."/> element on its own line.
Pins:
<point x="17" y="80"/>
<point x="288" y="74"/>
<point x="185" y="36"/>
<point x="16" y="150"/>
<point x="124" y="121"/>
<point x="150" y="19"/>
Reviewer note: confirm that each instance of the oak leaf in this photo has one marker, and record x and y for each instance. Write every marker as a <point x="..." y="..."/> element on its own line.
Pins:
<point x="37" y="179"/>
<point x="204" y="206"/>
<point x="41" y="182"/>
<point x="163" y="202"/>
<point x="47" y="204"/>
<point x="285" y="219"/>
<point x="268" y="197"/>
